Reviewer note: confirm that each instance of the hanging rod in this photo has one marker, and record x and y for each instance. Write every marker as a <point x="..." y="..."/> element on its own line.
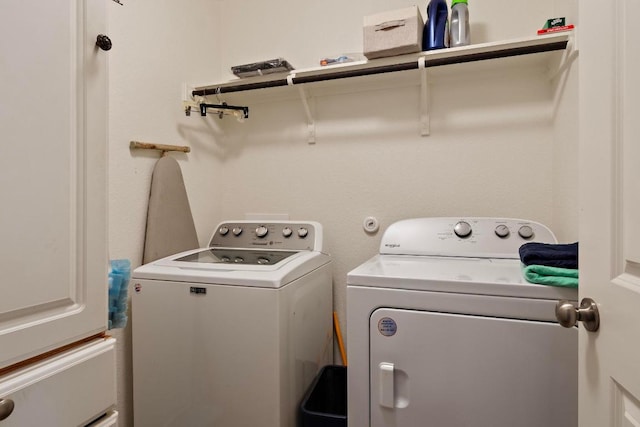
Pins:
<point x="161" y="147"/>
<point x="413" y="64"/>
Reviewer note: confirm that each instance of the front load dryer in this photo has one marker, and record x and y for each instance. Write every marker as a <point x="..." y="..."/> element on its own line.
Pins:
<point x="444" y="331"/>
<point x="232" y="334"/>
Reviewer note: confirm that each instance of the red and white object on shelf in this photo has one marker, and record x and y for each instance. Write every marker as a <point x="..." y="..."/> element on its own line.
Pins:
<point x="556" y="29"/>
<point x="555" y="25"/>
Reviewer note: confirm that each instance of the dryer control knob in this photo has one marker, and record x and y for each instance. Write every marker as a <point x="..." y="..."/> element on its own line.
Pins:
<point x="237" y="231"/>
<point x="287" y="232"/>
<point x="526" y="232"/>
<point x="502" y="231"/>
<point x="223" y="231"/>
<point x="462" y="229"/>
<point x="302" y="232"/>
<point x="262" y="231"/>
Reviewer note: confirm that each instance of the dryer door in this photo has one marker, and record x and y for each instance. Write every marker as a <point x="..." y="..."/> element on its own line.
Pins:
<point x="453" y="370"/>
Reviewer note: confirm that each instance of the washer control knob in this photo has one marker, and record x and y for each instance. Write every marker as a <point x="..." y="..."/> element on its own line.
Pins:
<point x="237" y="231"/>
<point x="462" y="229"/>
<point x="526" y="232"/>
<point x="302" y="232"/>
<point x="262" y="231"/>
<point x="238" y="260"/>
<point x="225" y="258"/>
<point x="502" y="231"/>
<point x="287" y="232"/>
<point x="223" y="230"/>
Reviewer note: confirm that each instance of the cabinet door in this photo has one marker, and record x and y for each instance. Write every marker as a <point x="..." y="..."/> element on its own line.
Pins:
<point x="453" y="370"/>
<point x="53" y="253"/>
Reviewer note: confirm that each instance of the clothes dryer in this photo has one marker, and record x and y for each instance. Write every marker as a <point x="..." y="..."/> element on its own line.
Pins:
<point x="232" y="334"/>
<point x="443" y="330"/>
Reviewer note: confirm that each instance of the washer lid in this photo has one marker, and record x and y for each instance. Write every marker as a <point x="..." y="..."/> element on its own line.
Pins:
<point x="200" y="266"/>
<point x="235" y="256"/>
<point x="478" y="276"/>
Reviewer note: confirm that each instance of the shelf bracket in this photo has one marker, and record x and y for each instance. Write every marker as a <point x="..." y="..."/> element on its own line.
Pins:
<point x="425" y="119"/>
<point x="569" y="55"/>
<point x="309" y="109"/>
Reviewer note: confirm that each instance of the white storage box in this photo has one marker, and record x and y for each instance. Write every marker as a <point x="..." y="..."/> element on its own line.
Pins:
<point x="391" y="33"/>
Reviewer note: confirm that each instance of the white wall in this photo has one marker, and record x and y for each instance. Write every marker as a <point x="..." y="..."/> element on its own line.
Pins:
<point x="493" y="148"/>
<point x="566" y="142"/>
<point x="157" y="45"/>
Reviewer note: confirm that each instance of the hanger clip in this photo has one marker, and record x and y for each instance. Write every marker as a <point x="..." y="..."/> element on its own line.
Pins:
<point x="222" y="107"/>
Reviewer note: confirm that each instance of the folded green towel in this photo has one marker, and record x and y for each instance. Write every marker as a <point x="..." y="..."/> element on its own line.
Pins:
<point x="552" y="276"/>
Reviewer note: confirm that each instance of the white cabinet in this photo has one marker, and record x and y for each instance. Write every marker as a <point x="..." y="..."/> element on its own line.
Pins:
<point x="56" y="367"/>
<point x="53" y="176"/>
<point x="71" y="389"/>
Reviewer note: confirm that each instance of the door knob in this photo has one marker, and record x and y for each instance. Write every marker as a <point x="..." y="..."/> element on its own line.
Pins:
<point x="587" y="313"/>
<point x="103" y="42"/>
<point x="6" y="408"/>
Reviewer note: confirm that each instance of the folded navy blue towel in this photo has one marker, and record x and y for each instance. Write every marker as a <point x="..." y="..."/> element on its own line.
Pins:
<point x="552" y="255"/>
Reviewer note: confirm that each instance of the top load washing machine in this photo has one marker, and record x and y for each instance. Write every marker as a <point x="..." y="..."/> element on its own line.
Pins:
<point x="232" y="334"/>
<point x="444" y="331"/>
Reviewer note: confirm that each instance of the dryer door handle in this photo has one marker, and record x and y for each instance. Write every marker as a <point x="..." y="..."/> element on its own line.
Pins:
<point x="387" y="393"/>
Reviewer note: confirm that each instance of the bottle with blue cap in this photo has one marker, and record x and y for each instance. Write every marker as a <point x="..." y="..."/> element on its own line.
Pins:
<point x="436" y="32"/>
<point x="459" y="23"/>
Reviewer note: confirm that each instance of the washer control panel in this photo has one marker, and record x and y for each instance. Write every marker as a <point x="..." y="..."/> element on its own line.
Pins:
<point x="463" y="237"/>
<point x="286" y="235"/>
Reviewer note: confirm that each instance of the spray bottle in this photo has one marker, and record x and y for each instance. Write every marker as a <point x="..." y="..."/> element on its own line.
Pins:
<point x="436" y="33"/>
<point x="459" y="23"/>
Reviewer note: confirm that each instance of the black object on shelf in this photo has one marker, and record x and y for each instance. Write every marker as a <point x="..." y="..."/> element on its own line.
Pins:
<point x="262" y="68"/>
<point x="325" y="403"/>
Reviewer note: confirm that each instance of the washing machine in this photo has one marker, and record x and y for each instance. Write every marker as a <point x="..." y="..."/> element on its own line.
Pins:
<point x="234" y="333"/>
<point x="443" y="330"/>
